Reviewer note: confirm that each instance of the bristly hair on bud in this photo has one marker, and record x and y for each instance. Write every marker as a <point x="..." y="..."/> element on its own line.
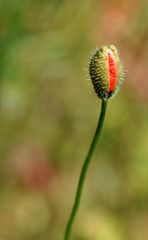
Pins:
<point x="106" y="71"/>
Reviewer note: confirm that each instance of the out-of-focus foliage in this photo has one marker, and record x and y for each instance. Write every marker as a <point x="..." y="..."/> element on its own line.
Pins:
<point x="48" y="114"/>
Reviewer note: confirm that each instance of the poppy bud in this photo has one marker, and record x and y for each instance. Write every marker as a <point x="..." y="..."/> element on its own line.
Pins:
<point x="106" y="71"/>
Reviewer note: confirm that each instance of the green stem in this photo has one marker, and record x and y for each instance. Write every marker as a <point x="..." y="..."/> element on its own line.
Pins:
<point x="84" y="171"/>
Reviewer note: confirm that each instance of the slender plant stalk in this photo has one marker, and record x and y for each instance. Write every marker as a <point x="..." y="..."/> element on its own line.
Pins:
<point x="84" y="171"/>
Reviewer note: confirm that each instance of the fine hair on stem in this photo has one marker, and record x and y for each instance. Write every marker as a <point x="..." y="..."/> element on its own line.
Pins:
<point x="84" y="171"/>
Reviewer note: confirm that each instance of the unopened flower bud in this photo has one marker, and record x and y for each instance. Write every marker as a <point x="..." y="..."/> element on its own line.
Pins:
<point x="106" y="71"/>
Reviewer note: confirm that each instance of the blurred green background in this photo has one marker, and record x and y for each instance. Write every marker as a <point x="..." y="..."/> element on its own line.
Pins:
<point x="48" y="115"/>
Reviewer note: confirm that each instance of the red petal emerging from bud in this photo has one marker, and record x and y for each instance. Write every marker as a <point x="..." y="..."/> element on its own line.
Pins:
<point x="112" y="65"/>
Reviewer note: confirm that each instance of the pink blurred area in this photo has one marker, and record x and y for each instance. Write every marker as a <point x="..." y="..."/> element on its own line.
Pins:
<point x="30" y="167"/>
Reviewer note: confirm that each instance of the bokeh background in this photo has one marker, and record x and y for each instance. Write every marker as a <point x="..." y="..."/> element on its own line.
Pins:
<point x="48" y="115"/>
